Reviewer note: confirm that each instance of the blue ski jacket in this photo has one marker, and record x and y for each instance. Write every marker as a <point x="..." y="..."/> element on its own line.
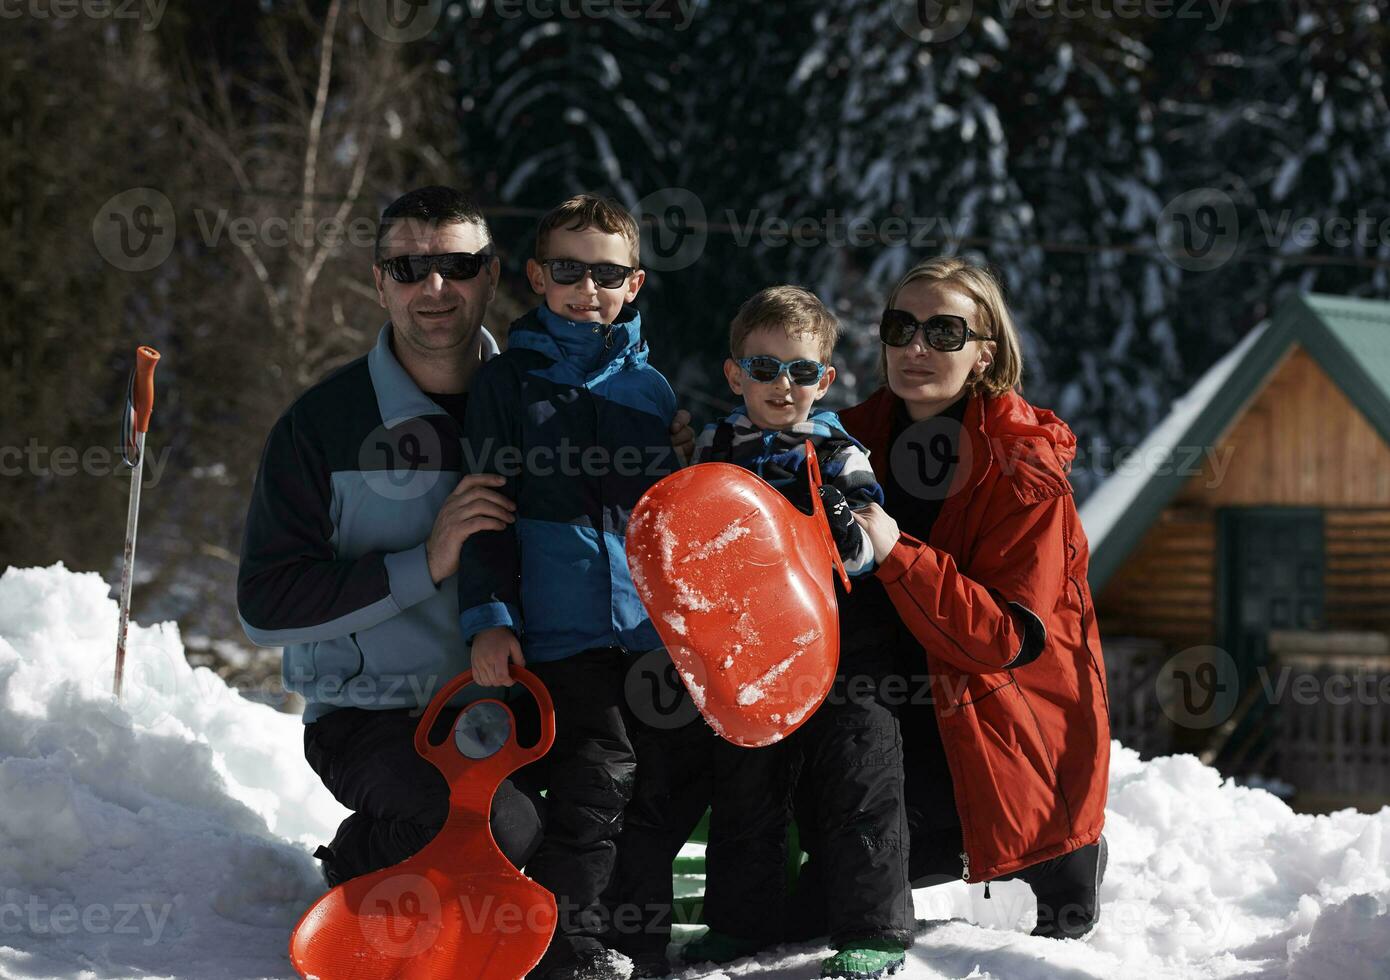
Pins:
<point x="578" y="423"/>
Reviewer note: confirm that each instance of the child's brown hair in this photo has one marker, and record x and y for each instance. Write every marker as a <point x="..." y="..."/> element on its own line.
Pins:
<point x="796" y="310"/>
<point x="590" y="211"/>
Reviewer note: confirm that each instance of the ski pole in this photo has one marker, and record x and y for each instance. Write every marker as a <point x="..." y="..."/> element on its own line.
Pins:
<point x="135" y="422"/>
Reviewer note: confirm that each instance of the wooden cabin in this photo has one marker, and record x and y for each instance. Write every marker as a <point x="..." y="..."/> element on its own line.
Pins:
<point x="1248" y="545"/>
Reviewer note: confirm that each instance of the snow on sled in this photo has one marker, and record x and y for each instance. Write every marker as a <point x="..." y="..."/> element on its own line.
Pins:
<point x="458" y="908"/>
<point x="739" y="584"/>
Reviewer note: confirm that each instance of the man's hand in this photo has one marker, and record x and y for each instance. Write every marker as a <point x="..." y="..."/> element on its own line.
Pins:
<point x="473" y="506"/>
<point x="682" y="436"/>
<point x="492" y="649"/>
<point x="882" y="530"/>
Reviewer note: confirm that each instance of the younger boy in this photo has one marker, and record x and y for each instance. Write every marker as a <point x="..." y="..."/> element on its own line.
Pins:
<point x="577" y="421"/>
<point x="781" y="342"/>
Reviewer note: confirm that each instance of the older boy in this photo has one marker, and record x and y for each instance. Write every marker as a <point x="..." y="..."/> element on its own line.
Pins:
<point x="577" y="422"/>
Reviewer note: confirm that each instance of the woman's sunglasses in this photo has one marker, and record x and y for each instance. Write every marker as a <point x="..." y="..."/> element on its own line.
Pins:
<point x="766" y="369"/>
<point x="607" y="275"/>
<point x="451" y="265"/>
<point x="942" y="332"/>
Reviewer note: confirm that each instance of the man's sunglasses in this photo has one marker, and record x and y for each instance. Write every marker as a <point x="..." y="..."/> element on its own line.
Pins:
<point x="451" y="265"/>
<point x="766" y="369"/>
<point x="942" y="332"/>
<point x="607" y="275"/>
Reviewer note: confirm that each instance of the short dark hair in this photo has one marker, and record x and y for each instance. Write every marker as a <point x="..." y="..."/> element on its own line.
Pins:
<point x="797" y="311"/>
<point x="433" y="205"/>
<point x="584" y="211"/>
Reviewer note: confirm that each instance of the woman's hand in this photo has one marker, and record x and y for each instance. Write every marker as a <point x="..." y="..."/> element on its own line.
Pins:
<point x="882" y="530"/>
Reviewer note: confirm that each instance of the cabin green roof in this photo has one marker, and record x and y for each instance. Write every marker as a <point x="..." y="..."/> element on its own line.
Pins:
<point x="1348" y="338"/>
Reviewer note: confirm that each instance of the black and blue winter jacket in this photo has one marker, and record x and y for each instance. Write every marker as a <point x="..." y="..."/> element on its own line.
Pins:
<point x="333" y="564"/>
<point x="578" y="422"/>
<point x="779" y="457"/>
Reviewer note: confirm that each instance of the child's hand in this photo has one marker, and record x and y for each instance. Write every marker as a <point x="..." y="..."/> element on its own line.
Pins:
<point x="882" y="530"/>
<point x="682" y="436"/>
<point x="839" y="516"/>
<point x="492" y="650"/>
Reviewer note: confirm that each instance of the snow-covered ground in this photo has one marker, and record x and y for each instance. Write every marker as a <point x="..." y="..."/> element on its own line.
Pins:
<point x="169" y="836"/>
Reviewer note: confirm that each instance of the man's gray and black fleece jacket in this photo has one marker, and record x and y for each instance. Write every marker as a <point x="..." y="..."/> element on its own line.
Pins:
<point x="333" y="563"/>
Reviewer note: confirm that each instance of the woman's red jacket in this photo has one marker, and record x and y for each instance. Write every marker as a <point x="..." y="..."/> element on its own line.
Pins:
<point x="999" y="602"/>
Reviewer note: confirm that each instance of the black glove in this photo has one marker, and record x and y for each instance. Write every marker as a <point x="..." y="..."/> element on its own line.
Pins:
<point x="842" y="525"/>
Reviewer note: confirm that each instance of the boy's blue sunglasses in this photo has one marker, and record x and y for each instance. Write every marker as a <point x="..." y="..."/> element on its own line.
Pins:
<point x="766" y="369"/>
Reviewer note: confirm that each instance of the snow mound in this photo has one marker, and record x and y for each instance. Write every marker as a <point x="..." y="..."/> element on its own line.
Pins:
<point x="150" y="836"/>
<point x="167" y="836"/>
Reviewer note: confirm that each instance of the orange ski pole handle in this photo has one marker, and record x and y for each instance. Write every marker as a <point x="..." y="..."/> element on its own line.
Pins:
<point x="146" y="359"/>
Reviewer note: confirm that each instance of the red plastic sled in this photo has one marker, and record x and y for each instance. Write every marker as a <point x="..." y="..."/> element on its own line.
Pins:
<point x="458" y="908"/>
<point x="738" y="584"/>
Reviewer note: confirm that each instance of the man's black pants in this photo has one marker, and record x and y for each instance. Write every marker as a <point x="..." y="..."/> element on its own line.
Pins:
<point x="367" y="759"/>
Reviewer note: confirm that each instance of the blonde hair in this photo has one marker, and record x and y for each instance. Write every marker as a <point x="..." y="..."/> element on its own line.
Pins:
<point x="796" y="310"/>
<point x="981" y="285"/>
<point x="585" y="211"/>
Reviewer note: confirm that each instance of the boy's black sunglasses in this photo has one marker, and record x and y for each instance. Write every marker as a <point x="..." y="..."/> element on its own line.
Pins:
<point x="942" y="332"/>
<point x="607" y="275"/>
<point x="451" y="265"/>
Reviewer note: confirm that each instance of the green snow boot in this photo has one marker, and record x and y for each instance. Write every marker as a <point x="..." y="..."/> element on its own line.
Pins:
<point x="864" y="960"/>
<point x="718" y="947"/>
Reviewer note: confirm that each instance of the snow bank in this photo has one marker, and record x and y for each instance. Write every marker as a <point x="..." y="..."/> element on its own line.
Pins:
<point x="149" y="837"/>
<point x="167" y="836"/>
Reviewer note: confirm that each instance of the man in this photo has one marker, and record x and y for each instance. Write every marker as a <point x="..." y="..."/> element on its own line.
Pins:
<point x="354" y="531"/>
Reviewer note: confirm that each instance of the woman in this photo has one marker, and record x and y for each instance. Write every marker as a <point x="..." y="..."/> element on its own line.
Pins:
<point x="982" y="558"/>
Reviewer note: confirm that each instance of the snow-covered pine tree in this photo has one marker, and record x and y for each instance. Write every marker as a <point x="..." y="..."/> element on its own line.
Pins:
<point x="551" y="106"/>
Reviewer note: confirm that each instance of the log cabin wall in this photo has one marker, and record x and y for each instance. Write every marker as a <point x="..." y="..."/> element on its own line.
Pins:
<point x="1300" y="443"/>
